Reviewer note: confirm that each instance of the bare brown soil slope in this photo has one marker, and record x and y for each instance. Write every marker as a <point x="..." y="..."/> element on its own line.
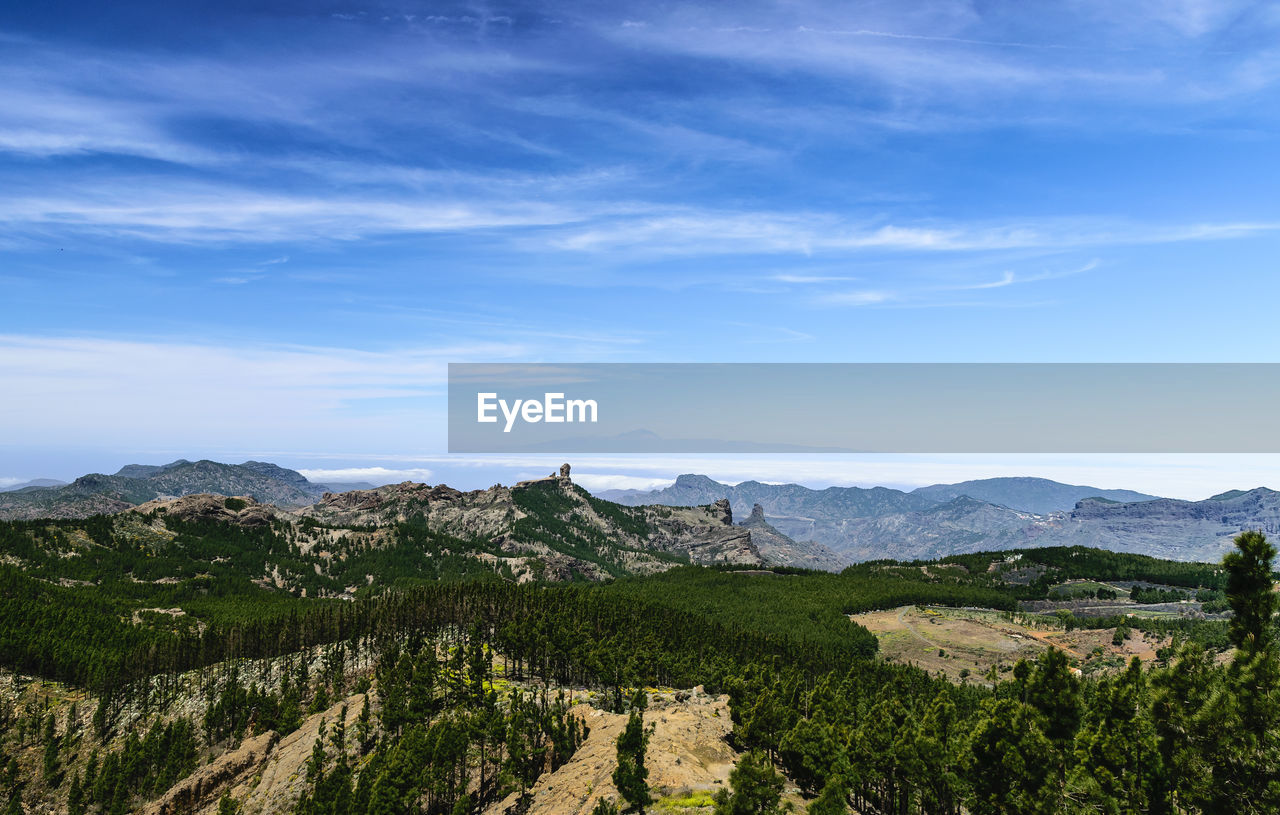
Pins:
<point x="966" y="643"/>
<point x="687" y="754"/>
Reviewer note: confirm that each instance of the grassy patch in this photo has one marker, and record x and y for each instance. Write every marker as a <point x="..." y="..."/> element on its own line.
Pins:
<point x="701" y="799"/>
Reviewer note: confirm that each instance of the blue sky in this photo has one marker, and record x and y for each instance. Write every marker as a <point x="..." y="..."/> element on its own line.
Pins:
<point x="265" y="228"/>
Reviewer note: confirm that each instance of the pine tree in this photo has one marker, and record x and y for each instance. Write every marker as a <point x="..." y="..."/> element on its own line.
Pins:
<point x="75" y="797"/>
<point x="756" y="788"/>
<point x="1178" y="692"/>
<point x="1118" y="769"/>
<point x="1249" y="592"/>
<point x="604" y="806"/>
<point x="1055" y="694"/>
<point x="1238" y="731"/>
<point x="315" y="764"/>
<point x="632" y="777"/>
<point x="935" y="758"/>
<point x="834" y="799"/>
<point x="1005" y="762"/>
<point x="364" y="727"/>
<point x="51" y="747"/>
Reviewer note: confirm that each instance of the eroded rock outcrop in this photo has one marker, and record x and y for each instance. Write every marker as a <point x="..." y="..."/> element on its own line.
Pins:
<point x="474" y="514"/>
<point x="240" y="510"/>
<point x="779" y="550"/>
<point x="208" y="783"/>
<point x="705" y="534"/>
<point x="275" y="781"/>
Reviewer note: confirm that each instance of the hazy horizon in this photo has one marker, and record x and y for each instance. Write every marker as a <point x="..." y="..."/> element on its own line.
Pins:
<point x="1167" y="476"/>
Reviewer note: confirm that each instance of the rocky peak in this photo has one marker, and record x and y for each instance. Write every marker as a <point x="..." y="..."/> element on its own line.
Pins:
<point x="693" y="481"/>
<point x="722" y="511"/>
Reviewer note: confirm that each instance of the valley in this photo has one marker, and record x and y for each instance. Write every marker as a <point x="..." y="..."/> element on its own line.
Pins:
<point x="419" y="648"/>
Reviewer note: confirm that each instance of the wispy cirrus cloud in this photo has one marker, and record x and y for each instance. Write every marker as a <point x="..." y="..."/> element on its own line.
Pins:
<point x="811" y="233"/>
<point x="196" y="212"/>
<point x="923" y="293"/>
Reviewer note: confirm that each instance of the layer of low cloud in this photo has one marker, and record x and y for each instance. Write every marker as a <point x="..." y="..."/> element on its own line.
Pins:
<point x="369" y="475"/>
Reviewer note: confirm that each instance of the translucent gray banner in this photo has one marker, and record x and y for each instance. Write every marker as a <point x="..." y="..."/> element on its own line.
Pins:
<point x="864" y="408"/>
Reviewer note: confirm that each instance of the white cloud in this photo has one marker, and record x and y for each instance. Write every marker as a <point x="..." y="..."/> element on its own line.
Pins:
<point x="802" y="279"/>
<point x="202" y="212"/>
<point x="858" y="298"/>
<point x="709" y="232"/>
<point x="58" y="101"/>
<point x="371" y="475"/>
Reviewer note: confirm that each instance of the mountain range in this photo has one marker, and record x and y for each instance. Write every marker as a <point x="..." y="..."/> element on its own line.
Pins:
<point x="545" y="529"/>
<point x="1036" y="495"/>
<point x="34" y="484"/>
<point x="784" y="524"/>
<point x="860" y="524"/>
<point x="134" y="484"/>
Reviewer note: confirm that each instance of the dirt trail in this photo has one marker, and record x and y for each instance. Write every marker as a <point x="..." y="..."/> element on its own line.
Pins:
<point x="1049" y="638"/>
<point x="687" y="753"/>
<point x="907" y="623"/>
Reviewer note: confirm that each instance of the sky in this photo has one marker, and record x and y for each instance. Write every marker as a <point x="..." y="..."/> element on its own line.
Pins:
<point x="262" y="230"/>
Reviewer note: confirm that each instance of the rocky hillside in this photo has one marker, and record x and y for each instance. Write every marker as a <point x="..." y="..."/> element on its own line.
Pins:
<point x="860" y="524"/>
<point x="958" y="526"/>
<point x="1165" y="528"/>
<point x="550" y="527"/>
<point x="363" y="541"/>
<point x="689" y="759"/>
<point x="779" y="550"/>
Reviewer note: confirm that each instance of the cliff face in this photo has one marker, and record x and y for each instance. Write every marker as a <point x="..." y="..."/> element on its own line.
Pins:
<point x="778" y="549"/>
<point x="1167" y="528"/>
<point x="705" y="535"/>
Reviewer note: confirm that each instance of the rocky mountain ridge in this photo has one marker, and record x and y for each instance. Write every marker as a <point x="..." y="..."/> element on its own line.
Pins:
<point x="869" y="524"/>
<point x="544" y="529"/>
<point x="1039" y="495"/>
<point x="134" y="484"/>
<point x="795" y="525"/>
